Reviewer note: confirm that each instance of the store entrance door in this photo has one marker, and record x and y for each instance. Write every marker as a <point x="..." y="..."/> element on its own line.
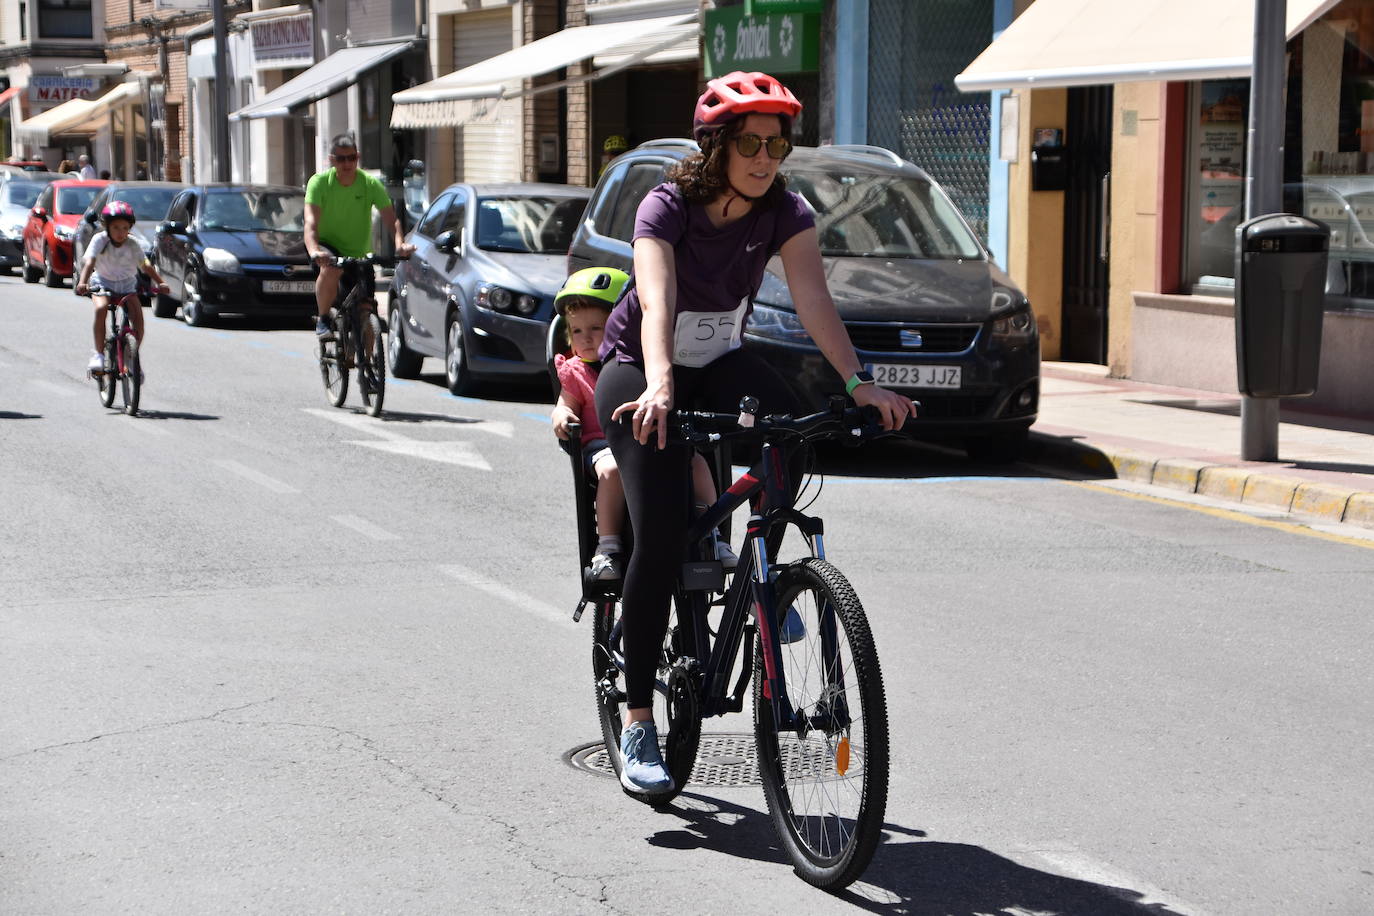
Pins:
<point x="1087" y="224"/>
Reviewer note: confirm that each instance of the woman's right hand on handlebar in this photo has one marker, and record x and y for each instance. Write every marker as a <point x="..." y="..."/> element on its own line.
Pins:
<point x="650" y="413"/>
<point x="894" y="409"/>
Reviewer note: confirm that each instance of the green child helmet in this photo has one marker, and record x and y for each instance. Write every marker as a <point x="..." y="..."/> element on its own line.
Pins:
<point x="601" y="283"/>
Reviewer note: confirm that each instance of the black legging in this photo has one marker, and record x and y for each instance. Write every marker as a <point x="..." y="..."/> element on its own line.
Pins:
<point x="657" y="495"/>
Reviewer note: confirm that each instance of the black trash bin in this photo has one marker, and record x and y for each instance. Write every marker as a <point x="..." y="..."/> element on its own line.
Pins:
<point x="1280" y="288"/>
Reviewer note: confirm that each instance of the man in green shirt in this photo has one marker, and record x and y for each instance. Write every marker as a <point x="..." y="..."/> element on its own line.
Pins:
<point x="338" y="221"/>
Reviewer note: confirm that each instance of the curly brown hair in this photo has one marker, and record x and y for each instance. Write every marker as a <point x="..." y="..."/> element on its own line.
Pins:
<point x="701" y="176"/>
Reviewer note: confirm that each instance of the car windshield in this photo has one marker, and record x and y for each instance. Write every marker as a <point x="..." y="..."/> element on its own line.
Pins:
<point x="21" y="193"/>
<point x="250" y="210"/>
<point x="866" y="215"/>
<point x="148" y="203"/>
<point x="532" y="225"/>
<point x="76" y="198"/>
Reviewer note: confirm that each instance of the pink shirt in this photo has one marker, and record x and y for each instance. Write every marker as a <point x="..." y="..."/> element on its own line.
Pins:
<point x="579" y="392"/>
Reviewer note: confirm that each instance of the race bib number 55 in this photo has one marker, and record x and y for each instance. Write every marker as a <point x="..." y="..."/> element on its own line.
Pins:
<point x="703" y="337"/>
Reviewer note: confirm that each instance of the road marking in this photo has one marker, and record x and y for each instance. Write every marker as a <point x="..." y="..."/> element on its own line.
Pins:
<point x="366" y="528"/>
<point x="394" y="442"/>
<point x="509" y="595"/>
<point x="65" y="390"/>
<point x="1231" y="515"/>
<point x="270" y="483"/>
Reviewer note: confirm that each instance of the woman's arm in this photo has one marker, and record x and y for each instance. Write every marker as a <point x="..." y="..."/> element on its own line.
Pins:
<point x="801" y="259"/>
<point x="656" y="283"/>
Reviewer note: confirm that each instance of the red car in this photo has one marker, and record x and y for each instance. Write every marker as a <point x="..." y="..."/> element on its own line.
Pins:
<point x="47" y="240"/>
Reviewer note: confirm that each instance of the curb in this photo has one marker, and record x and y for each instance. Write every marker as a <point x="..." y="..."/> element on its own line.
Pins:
<point x="1233" y="484"/>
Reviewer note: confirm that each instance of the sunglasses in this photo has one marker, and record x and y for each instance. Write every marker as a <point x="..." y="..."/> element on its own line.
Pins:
<point x="749" y="145"/>
<point x="347" y="157"/>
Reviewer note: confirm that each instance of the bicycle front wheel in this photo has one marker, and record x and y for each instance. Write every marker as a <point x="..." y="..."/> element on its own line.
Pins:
<point x="676" y="714"/>
<point x="825" y="773"/>
<point x="131" y="378"/>
<point x="372" y="366"/>
<point x="108" y="378"/>
<point x="332" y="367"/>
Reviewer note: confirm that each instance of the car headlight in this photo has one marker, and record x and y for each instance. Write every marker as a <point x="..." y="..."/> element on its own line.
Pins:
<point x="65" y="233"/>
<point x="221" y="261"/>
<point x="15" y="232"/>
<point x="1016" y="327"/>
<point x="499" y="299"/>
<point x="769" y="323"/>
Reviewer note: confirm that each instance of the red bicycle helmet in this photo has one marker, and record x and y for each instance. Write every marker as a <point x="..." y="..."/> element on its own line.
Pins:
<point x="117" y="209"/>
<point x="738" y="94"/>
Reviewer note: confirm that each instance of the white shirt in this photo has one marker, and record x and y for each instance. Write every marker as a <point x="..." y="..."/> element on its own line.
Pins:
<point x="87" y="172"/>
<point x="116" y="266"/>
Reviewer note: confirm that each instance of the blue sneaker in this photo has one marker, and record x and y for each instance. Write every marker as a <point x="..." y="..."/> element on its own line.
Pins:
<point x="793" y="629"/>
<point x="641" y="767"/>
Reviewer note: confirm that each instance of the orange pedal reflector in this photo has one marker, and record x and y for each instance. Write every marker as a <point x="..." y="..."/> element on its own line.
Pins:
<point x="842" y="756"/>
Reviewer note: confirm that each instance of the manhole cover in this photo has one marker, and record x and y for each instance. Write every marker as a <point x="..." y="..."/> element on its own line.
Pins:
<point x="725" y="760"/>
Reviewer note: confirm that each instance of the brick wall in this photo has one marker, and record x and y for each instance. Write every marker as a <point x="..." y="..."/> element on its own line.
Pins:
<point x="578" y="156"/>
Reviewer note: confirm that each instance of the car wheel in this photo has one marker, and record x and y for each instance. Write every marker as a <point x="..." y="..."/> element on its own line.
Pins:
<point x="997" y="448"/>
<point x="192" y="308"/>
<point x="31" y="273"/>
<point x="403" y="361"/>
<point x="50" y="276"/>
<point x="456" y="359"/>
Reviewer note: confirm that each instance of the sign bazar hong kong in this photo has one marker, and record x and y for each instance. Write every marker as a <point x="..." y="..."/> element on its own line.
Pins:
<point x="785" y="42"/>
<point x="61" y="88"/>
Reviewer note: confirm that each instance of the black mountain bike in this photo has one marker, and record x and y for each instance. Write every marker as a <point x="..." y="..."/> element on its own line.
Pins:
<point x="820" y="717"/>
<point x="122" y="365"/>
<point x="358" y="339"/>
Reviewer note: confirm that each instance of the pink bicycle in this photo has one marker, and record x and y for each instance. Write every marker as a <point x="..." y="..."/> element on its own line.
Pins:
<point x="122" y="364"/>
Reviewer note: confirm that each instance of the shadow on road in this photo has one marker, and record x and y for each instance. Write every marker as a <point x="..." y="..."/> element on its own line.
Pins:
<point x="535" y="389"/>
<point x="173" y="415"/>
<point x="11" y="415"/>
<point x="910" y="875"/>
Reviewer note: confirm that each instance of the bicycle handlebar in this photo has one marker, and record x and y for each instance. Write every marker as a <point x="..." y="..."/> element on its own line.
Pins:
<point x="841" y="420"/>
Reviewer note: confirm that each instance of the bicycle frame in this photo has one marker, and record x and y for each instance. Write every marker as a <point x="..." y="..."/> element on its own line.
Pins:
<point x="120" y="324"/>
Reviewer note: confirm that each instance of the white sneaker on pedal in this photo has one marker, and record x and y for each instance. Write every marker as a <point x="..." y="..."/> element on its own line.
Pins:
<point x="96" y="363"/>
<point x="605" y="567"/>
<point x="726" y="555"/>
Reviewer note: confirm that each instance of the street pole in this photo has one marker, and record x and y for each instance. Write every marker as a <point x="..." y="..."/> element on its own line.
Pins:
<point x="221" y="114"/>
<point x="1259" y="417"/>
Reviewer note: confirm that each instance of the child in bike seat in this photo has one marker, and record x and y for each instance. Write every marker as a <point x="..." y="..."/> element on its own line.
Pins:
<point x="112" y="263"/>
<point x="585" y="301"/>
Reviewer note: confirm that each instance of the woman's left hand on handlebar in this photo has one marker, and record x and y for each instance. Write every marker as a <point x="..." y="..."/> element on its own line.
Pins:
<point x="893" y="408"/>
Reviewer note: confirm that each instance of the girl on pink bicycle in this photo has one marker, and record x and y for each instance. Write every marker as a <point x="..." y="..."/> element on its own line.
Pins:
<point x="111" y="265"/>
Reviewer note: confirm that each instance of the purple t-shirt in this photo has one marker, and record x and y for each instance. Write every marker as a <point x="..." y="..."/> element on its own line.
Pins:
<point x="717" y="267"/>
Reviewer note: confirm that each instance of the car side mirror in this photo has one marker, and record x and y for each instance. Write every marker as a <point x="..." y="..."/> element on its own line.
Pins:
<point x="92" y="218"/>
<point x="40" y="212"/>
<point x="449" y="241"/>
<point x="172" y="227"/>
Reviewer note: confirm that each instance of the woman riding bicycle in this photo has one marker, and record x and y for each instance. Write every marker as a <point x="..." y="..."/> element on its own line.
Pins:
<point x="701" y="243"/>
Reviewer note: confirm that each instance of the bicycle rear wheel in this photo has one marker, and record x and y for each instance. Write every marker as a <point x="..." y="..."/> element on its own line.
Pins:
<point x="675" y="710"/>
<point x="333" y="369"/>
<point x="372" y="366"/>
<point x="131" y="378"/>
<point x="826" y="777"/>
<point x="107" y="379"/>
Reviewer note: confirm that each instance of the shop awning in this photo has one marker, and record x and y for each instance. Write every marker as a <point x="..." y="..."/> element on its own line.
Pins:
<point x="9" y="94"/>
<point x="465" y="95"/>
<point x="77" y="116"/>
<point x="337" y="71"/>
<point x="1092" y="42"/>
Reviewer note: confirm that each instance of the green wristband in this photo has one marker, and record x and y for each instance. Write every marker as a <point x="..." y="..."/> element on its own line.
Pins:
<point x="857" y="379"/>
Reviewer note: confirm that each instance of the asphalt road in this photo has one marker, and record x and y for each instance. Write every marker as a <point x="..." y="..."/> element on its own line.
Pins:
<point x="261" y="655"/>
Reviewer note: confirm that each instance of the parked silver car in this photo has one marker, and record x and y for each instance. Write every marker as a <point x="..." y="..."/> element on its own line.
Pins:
<point x="478" y="292"/>
<point x="17" y="197"/>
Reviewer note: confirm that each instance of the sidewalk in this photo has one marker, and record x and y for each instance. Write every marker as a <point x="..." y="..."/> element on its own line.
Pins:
<point x="1189" y="440"/>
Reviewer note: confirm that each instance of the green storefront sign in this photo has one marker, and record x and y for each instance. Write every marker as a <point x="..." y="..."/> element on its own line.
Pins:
<point x="774" y="43"/>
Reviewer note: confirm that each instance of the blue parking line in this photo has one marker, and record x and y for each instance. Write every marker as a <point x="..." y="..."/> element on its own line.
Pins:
<point x="292" y="353"/>
<point x="542" y="418"/>
<point x="401" y="383"/>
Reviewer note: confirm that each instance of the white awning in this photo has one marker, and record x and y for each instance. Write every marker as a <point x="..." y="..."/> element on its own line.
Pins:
<point x="75" y="116"/>
<point x="1092" y="42"/>
<point x="457" y="98"/>
<point x="336" y="72"/>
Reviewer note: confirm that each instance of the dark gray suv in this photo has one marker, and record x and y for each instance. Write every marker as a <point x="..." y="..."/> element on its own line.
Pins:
<point x="929" y="312"/>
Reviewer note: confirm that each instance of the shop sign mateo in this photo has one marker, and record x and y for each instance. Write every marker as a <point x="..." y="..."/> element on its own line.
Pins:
<point x="787" y="42"/>
<point x="62" y="88"/>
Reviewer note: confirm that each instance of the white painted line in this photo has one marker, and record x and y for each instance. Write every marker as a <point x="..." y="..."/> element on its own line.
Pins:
<point x="270" y="483"/>
<point x="366" y="528"/>
<point x="359" y="422"/>
<point x="65" y="390"/>
<point x="459" y="453"/>
<point x="1065" y="860"/>
<point x="509" y="595"/>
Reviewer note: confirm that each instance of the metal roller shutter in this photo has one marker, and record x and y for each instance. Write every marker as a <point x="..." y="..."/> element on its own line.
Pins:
<point x="489" y="151"/>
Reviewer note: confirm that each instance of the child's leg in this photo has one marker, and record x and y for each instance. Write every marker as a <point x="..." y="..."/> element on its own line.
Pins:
<point x="101" y="307"/>
<point x="136" y="318"/>
<point x="703" y="487"/>
<point x="610" y="497"/>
